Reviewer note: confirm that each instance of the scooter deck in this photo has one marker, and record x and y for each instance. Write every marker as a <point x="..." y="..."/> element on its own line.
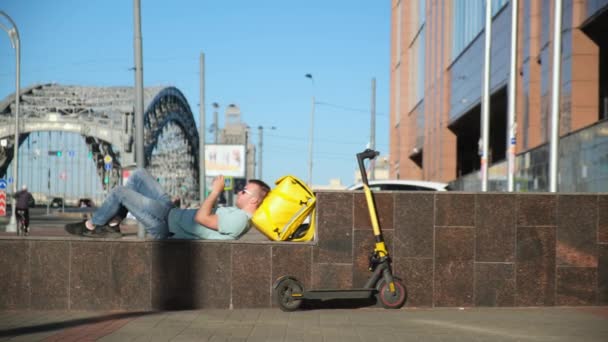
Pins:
<point x="338" y="294"/>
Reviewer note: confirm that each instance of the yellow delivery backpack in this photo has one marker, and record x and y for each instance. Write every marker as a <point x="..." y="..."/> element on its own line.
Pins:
<point x="281" y="216"/>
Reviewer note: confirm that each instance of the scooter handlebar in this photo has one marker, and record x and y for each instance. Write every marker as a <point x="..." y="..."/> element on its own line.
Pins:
<point x="367" y="154"/>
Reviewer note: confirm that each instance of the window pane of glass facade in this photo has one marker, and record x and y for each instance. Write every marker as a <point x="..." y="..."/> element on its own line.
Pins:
<point x="417" y="52"/>
<point x="421" y="12"/>
<point x="468" y="18"/>
<point x="420" y="46"/>
<point x="399" y="29"/>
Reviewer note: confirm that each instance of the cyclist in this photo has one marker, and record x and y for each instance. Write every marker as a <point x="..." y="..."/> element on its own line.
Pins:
<point x="24" y="198"/>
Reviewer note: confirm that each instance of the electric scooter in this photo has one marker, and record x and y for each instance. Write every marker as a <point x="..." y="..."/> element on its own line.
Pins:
<point x="289" y="293"/>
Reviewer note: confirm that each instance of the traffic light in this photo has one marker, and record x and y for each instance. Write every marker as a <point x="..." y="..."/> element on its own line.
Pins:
<point x="59" y="153"/>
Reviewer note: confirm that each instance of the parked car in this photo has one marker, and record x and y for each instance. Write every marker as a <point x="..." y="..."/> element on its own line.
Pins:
<point x="57" y="202"/>
<point x="402" y="185"/>
<point x="85" y="203"/>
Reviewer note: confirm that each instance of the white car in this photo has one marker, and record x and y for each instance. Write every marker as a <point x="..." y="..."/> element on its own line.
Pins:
<point x="401" y="185"/>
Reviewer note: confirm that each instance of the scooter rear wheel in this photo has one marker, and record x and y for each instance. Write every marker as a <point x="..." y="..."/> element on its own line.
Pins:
<point x="391" y="300"/>
<point x="283" y="294"/>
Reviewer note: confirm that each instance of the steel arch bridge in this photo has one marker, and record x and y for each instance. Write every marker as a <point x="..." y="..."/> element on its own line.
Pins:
<point x="104" y="117"/>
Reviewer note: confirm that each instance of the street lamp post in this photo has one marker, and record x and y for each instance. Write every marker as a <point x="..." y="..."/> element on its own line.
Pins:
<point x="260" y="147"/>
<point x="312" y="125"/>
<point x="13" y="34"/>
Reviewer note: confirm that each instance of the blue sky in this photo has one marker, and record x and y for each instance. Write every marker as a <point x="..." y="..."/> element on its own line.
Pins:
<point x="256" y="53"/>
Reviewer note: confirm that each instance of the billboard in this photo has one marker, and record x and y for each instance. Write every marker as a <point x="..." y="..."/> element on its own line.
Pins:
<point x="227" y="160"/>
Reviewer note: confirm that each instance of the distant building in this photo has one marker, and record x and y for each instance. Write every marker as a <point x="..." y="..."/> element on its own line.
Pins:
<point x="381" y="172"/>
<point x="236" y="132"/>
<point x="334" y="184"/>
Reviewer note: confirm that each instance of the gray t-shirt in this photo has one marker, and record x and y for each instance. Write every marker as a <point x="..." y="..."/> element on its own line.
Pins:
<point x="232" y="224"/>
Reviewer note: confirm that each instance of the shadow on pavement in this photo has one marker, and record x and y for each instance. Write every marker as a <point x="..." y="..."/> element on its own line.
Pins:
<point x="338" y="304"/>
<point x="69" y="324"/>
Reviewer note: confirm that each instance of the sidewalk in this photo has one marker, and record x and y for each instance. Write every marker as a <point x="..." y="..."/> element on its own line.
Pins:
<point x="368" y="324"/>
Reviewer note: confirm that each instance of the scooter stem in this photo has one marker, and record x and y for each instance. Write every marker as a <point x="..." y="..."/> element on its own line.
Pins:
<point x="380" y="246"/>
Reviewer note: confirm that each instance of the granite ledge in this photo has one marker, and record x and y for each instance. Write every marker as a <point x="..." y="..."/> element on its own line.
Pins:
<point x="136" y="240"/>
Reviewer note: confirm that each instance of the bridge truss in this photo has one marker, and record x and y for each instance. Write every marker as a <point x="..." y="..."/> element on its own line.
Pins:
<point x="104" y="117"/>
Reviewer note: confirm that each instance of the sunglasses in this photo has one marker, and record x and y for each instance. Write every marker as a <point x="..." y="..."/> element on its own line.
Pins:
<point x="245" y="191"/>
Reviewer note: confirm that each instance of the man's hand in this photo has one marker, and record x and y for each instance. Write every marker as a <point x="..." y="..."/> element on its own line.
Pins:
<point x="204" y="214"/>
<point x="218" y="184"/>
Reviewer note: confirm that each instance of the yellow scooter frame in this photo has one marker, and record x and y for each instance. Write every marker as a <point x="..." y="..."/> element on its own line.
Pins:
<point x="289" y="293"/>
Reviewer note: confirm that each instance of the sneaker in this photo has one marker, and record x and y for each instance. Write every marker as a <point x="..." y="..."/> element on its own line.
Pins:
<point x="115" y="228"/>
<point x="104" y="232"/>
<point x="76" y="228"/>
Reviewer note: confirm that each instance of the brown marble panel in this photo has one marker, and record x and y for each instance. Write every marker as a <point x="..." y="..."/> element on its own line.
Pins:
<point x="251" y="276"/>
<point x="454" y="266"/>
<point x="602" y="209"/>
<point x="454" y="285"/>
<point x="172" y="285"/>
<point x="211" y="264"/>
<point x="454" y="209"/>
<point x="334" y="227"/>
<point x="602" y="274"/>
<point x="384" y="210"/>
<point x="535" y="266"/>
<point x="14" y="274"/>
<point x="92" y="278"/>
<point x="454" y="244"/>
<point x="50" y="274"/>
<point x="494" y="284"/>
<point x="536" y="210"/>
<point x="495" y="235"/>
<point x="332" y="276"/>
<point x="292" y="260"/>
<point x="417" y="276"/>
<point x="414" y="225"/>
<point x="577" y="230"/>
<point x="364" y="245"/>
<point x="576" y="286"/>
<point x="132" y="275"/>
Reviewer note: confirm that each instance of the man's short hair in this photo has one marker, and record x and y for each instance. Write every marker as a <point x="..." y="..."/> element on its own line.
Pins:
<point x="264" y="188"/>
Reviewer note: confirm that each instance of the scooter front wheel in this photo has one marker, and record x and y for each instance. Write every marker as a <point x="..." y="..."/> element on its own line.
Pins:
<point x="388" y="299"/>
<point x="283" y="294"/>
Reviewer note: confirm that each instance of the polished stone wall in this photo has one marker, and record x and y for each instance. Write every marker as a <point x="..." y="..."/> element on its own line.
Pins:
<point x="450" y="249"/>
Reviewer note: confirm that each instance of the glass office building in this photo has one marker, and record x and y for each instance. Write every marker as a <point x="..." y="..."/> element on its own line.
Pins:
<point x="437" y="62"/>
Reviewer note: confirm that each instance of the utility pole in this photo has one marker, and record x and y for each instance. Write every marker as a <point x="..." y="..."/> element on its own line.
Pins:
<point x="372" y="139"/>
<point x="215" y="123"/>
<point x="312" y="129"/>
<point x="202" y="179"/>
<point x="555" y="95"/>
<point x="261" y="148"/>
<point x="511" y="125"/>
<point x="139" y="96"/>
<point x="485" y="102"/>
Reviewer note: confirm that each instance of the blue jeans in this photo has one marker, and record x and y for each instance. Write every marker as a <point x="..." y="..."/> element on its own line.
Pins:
<point x="144" y="198"/>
